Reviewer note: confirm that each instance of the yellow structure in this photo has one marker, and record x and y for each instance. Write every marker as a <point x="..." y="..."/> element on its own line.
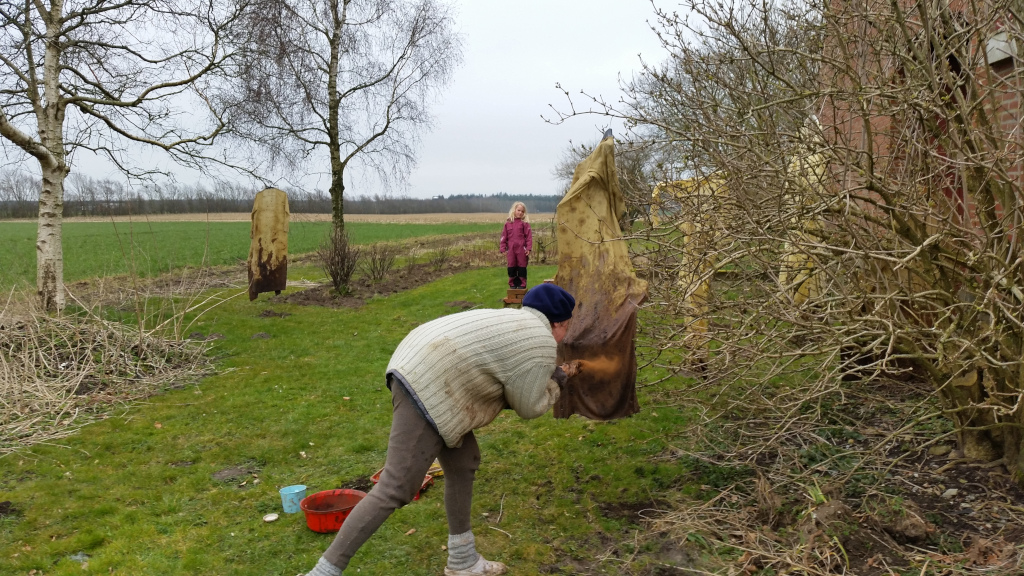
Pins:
<point x="697" y="207"/>
<point x="798" y="275"/>
<point x="701" y="210"/>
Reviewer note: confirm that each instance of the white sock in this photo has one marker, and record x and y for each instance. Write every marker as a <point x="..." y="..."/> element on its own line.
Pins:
<point x="462" y="551"/>
<point x="324" y="568"/>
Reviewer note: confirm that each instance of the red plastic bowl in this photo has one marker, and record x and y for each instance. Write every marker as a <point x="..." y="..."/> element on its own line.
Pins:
<point x="326" y="511"/>
<point x="428" y="480"/>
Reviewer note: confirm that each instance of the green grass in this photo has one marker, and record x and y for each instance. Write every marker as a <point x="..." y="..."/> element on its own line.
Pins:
<point x="140" y="499"/>
<point x="102" y="249"/>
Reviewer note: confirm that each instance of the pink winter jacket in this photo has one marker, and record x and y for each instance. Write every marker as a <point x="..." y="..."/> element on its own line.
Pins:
<point x="516" y="235"/>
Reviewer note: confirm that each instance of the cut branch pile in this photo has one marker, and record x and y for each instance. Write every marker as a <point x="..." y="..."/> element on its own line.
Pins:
<point x="859" y="479"/>
<point x="58" y="374"/>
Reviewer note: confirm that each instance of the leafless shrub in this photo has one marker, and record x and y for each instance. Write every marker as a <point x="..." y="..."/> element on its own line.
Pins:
<point x="378" y="261"/>
<point x="475" y="254"/>
<point x="441" y="256"/>
<point x="836" y="468"/>
<point x="844" y="202"/>
<point x="545" y="246"/>
<point x="483" y="254"/>
<point x="338" y="259"/>
<point x="412" y="255"/>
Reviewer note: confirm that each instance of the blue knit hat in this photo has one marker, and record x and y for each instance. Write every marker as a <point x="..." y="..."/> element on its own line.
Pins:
<point x="552" y="301"/>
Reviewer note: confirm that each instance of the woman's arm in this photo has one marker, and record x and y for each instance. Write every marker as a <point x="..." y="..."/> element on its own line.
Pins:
<point x="533" y="398"/>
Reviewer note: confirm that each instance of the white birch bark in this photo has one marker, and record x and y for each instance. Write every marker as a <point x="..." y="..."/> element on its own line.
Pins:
<point x="49" y="241"/>
<point x="50" y="117"/>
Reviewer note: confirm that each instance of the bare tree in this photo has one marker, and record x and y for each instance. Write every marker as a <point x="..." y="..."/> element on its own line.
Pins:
<point x="638" y="165"/>
<point x="17" y="186"/>
<point x="848" y="204"/>
<point x="105" y="77"/>
<point x="345" y="79"/>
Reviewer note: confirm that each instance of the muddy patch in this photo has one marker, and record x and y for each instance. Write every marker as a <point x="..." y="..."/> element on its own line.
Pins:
<point x="631" y="512"/>
<point x="324" y="296"/>
<point x="362" y="289"/>
<point x="629" y="551"/>
<point x="7" y="508"/>
<point x="245" y="472"/>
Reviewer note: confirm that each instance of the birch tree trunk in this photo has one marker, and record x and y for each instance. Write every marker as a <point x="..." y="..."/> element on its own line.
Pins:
<point x="53" y="167"/>
<point x="337" y="190"/>
<point x="49" y="251"/>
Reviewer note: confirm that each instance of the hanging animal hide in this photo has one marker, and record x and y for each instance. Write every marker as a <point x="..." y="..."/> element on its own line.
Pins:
<point x="268" y="249"/>
<point x="594" y="266"/>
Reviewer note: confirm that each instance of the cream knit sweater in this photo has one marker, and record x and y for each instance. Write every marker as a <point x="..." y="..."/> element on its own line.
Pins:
<point x="465" y="368"/>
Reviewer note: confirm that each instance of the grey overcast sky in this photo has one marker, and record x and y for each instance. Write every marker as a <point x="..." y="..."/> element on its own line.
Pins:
<point x="489" y="136"/>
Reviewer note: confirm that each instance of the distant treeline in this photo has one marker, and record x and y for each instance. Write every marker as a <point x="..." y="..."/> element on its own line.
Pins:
<point x="84" y="196"/>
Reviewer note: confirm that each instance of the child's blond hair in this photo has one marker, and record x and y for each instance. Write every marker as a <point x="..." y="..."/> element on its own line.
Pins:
<point x="512" y="212"/>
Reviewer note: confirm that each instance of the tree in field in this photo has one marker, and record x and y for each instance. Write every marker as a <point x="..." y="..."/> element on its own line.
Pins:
<point x="107" y="77"/>
<point x="327" y="82"/>
<point x="853" y="193"/>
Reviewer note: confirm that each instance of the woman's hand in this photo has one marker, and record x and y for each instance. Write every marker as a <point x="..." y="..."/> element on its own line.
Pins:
<point x="571" y="368"/>
<point x="565" y="371"/>
<point x="559" y="376"/>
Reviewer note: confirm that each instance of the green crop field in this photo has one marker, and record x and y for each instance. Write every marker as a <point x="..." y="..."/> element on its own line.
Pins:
<point x="99" y="249"/>
<point x="305" y="403"/>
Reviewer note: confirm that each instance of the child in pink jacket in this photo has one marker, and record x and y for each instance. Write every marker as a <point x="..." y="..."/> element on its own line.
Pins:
<point x="516" y="243"/>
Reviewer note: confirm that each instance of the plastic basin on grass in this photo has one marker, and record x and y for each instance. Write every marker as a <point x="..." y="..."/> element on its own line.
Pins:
<point x="326" y="511"/>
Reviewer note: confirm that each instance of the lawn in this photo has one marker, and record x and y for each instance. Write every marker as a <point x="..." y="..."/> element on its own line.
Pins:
<point x="94" y="249"/>
<point x="137" y="493"/>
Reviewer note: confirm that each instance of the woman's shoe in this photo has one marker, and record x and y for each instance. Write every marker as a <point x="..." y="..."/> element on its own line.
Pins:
<point x="481" y="568"/>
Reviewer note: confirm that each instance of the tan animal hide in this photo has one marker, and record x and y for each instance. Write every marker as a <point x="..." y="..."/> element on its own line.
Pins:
<point x="594" y="266"/>
<point x="268" y="249"/>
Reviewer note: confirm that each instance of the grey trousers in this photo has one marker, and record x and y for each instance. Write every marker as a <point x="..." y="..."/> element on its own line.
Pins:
<point x="412" y="448"/>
